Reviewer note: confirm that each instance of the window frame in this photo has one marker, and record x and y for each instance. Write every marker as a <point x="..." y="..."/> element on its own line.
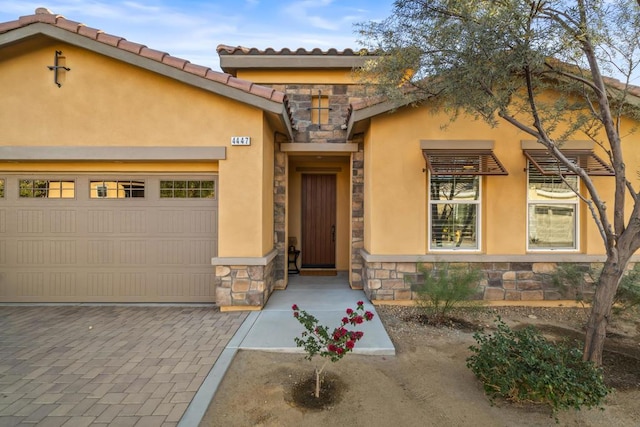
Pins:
<point x="533" y="203"/>
<point x="187" y="189"/>
<point x="117" y="181"/>
<point x="478" y="220"/>
<point x="319" y="114"/>
<point x="47" y="189"/>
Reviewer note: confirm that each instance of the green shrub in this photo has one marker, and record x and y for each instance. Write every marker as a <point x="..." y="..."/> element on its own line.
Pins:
<point x="445" y="287"/>
<point x="572" y="276"/>
<point x="628" y="294"/>
<point x="522" y="366"/>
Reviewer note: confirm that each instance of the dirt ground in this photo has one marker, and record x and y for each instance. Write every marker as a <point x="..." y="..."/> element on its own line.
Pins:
<point x="427" y="383"/>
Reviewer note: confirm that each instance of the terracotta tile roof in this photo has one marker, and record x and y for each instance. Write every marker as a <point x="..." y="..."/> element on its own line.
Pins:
<point x="223" y="49"/>
<point x="364" y="109"/>
<point x="45" y="16"/>
<point x="375" y="100"/>
<point x="617" y="84"/>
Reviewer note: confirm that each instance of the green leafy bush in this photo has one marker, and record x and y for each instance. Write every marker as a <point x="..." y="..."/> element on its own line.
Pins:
<point x="574" y="277"/>
<point x="577" y="280"/>
<point x="628" y="294"/>
<point x="523" y="366"/>
<point x="444" y="288"/>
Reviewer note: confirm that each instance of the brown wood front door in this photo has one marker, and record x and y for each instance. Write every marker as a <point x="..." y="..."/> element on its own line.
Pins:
<point x="318" y="221"/>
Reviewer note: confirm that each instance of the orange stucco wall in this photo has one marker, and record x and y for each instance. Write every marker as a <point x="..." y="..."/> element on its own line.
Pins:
<point x="105" y="102"/>
<point x="396" y="196"/>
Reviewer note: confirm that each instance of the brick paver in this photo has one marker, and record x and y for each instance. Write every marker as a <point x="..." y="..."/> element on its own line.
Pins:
<point x="98" y="365"/>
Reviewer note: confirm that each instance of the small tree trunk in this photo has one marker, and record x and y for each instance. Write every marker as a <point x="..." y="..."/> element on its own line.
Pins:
<point x="318" y="372"/>
<point x="601" y="310"/>
<point x="317" y="393"/>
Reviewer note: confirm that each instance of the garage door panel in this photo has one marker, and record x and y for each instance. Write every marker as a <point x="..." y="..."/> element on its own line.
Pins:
<point x="133" y="284"/>
<point x="62" y="221"/>
<point x="100" y="221"/>
<point x="171" y="284"/>
<point x="132" y="222"/>
<point x="31" y="252"/>
<point x="202" y="222"/>
<point x="171" y="252"/>
<point x="99" y="250"/>
<point x="200" y="251"/>
<point x="3" y="253"/>
<point x="30" y="221"/>
<point x="133" y="252"/>
<point x="32" y="283"/>
<point x="100" y="284"/>
<point x="62" y="252"/>
<point x="3" y="220"/>
<point x="63" y="283"/>
<point x="200" y="284"/>
<point x="171" y="222"/>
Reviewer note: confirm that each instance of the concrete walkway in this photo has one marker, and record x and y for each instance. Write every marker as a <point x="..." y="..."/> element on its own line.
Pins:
<point x="325" y="297"/>
<point x="274" y="328"/>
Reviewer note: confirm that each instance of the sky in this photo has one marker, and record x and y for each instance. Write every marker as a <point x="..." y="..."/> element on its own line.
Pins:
<point x="192" y="29"/>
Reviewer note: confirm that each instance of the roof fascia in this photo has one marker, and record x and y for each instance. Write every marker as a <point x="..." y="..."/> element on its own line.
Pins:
<point x="360" y="119"/>
<point x="234" y="62"/>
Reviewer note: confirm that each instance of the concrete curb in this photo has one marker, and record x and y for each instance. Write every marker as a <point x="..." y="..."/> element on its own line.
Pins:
<point x="200" y="402"/>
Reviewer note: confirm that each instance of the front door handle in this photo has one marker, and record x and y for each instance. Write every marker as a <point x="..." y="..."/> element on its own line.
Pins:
<point x="333" y="233"/>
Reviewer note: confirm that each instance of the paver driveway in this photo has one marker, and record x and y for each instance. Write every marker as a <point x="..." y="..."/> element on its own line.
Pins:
<point x="106" y="365"/>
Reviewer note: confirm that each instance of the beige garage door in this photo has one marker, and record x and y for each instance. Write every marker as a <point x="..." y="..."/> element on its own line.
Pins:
<point x="102" y="238"/>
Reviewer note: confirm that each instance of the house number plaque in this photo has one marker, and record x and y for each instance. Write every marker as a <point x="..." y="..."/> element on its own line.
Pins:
<point x="240" y="140"/>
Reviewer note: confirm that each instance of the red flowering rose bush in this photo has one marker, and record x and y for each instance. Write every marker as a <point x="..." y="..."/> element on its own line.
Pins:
<point x="330" y="345"/>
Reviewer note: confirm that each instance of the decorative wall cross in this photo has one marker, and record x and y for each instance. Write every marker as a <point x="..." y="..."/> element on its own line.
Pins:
<point x="55" y="67"/>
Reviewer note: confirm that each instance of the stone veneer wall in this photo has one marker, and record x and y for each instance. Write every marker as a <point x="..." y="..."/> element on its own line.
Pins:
<point x="339" y="97"/>
<point x="280" y="214"/>
<point x="244" y="285"/>
<point x="357" y="216"/>
<point x="509" y="281"/>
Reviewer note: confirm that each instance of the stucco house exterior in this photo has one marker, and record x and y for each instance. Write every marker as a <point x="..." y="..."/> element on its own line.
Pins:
<point x="130" y="175"/>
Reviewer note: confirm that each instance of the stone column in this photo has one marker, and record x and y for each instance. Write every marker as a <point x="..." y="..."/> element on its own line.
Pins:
<point x="280" y="214"/>
<point x="357" y="216"/>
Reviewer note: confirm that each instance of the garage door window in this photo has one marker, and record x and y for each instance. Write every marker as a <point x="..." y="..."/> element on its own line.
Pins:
<point x="47" y="188"/>
<point x="1" y="188"/>
<point x="117" y="189"/>
<point x="190" y="189"/>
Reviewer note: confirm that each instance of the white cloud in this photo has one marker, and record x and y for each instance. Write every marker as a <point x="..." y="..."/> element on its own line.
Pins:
<point x="308" y="11"/>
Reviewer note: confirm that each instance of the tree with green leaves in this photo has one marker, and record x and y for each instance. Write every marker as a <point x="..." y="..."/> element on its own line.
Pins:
<point x="498" y="61"/>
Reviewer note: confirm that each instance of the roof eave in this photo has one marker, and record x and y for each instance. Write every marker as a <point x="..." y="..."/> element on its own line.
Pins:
<point x="360" y="119"/>
<point x="283" y="120"/>
<point x="232" y="63"/>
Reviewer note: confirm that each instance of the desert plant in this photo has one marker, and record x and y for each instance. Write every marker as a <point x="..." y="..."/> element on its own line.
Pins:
<point x="317" y="340"/>
<point x="444" y="288"/>
<point x="574" y="277"/>
<point x="628" y="294"/>
<point x="523" y="366"/>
